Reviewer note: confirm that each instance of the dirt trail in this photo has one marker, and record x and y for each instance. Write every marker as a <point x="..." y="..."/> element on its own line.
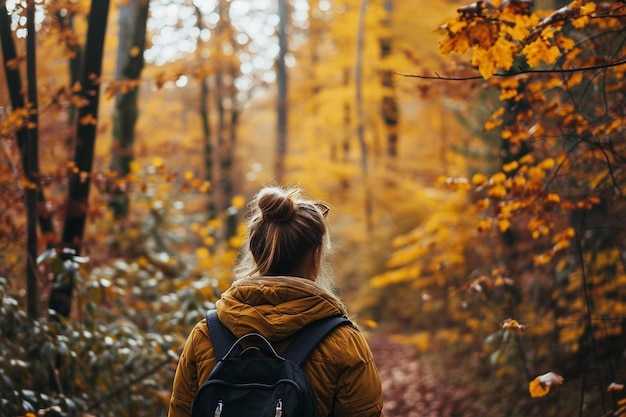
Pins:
<point x="410" y="388"/>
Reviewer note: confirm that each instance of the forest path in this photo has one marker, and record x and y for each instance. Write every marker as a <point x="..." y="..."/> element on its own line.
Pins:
<point x="411" y="388"/>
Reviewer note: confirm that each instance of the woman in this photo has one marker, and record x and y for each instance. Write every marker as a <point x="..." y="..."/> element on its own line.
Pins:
<point x="284" y="282"/>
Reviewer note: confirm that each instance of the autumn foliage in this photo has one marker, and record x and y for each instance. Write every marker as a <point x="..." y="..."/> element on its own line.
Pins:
<point x="546" y="261"/>
<point x="477" y="190"/>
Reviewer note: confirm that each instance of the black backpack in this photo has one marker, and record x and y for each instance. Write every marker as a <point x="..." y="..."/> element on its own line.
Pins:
<point x="256" y="381"/>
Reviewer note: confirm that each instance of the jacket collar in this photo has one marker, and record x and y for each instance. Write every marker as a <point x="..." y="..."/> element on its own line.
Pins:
<point x="276" y="307"/>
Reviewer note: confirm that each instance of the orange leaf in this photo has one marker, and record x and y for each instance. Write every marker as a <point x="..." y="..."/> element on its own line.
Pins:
<point x="479" y="179"/>
<point x="512" y="324"/>
<point x="541" y="385"/>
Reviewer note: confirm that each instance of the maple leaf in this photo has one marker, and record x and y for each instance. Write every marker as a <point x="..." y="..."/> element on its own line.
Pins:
<point x="540" y="50"/>
<point x="483" y="34"/>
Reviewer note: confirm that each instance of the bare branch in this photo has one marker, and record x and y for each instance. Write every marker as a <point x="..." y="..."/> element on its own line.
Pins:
<point x="554" y="71"/>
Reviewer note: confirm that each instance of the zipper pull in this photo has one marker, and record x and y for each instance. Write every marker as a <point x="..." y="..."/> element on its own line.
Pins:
<point x="279" y="408"/>
<point x="218" y="409"/>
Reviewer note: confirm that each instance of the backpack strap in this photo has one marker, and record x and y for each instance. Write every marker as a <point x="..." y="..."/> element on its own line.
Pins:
<point x="305" y="340"/>
<point x="221" y="338"/>
<point x="310" y="336"/>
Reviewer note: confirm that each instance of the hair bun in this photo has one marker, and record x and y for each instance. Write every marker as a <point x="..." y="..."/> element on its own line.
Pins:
<point x="276" y="206"/>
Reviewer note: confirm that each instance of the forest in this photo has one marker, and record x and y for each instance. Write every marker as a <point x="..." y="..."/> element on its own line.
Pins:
<point x="473" y="156"/>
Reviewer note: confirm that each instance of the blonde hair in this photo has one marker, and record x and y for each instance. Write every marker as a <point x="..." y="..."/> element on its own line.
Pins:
<point x="282" y="228"/>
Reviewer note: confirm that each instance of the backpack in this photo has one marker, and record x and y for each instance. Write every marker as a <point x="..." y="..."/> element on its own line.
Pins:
<point x="256" y="381"/>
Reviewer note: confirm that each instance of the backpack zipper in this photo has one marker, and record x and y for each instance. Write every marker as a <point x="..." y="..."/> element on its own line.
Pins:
<point x="279" y="408"/>
<point x="218" y="409"/>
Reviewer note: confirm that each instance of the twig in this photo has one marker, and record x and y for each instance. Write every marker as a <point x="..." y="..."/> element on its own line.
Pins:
<point x="479" y="77"/>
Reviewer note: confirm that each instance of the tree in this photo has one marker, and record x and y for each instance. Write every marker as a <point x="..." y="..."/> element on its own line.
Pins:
<point x="282" y="98"/>
<point x="80" y="172"/>
<point x="31" y="164"/>
<point x="559" y="190"/>
<point x="204" y="111"/>
<point x="358" y="100"/>
<point x="27" y="140"/>
<point x="133" y="17"/>
<point x="389" y="105"/>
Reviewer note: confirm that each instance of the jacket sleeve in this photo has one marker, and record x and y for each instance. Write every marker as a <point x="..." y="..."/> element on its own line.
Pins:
<point x="195" y="364"/>
<point x="358" y="390"/>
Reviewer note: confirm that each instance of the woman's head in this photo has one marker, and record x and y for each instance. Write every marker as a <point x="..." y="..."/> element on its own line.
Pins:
<point x="285" y="230"/>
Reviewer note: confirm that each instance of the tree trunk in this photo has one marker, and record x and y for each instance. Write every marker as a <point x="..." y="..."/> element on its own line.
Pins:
<point x="347" y="119"/>
<point x="358" y="81"/>
<point x="228" y="158"/>
<point x="206" y="128"/>
<point x="133" y="17"/>
<point x="79" y="177"/>
<point x="31" y="164"/>
<point x="389" y="105"/>
<point x="281" y="107"/>
<point x="227" y="116"/>
<point x="221" y="129"/>
<point x="66" y="21"/>
<point x="14" y="84"/>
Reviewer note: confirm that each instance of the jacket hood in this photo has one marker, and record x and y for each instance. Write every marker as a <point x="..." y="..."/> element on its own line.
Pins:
<point x="276" y="307"/>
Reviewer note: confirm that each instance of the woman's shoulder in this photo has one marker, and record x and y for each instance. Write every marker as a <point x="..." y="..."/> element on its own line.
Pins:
<point x="344" y="344"/>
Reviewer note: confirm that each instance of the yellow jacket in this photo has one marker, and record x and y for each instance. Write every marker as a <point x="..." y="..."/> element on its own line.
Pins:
<point x="341" y="369"/>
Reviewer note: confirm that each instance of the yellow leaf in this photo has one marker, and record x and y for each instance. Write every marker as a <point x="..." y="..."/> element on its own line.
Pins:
<point x="541" y="385"/>
<point x="527" y="159"/>
<point x="158" y="162"/>
<point x="485" y="63"/>
<point x="498" y="178"/>
<point x="536" y="389"/>
<point x="553" y="198"/>
<point x="88" y="119"/>
<point x="482" y="33"/>
<point x="504" y="225"/>
<point x="202" y="252"/>
<point x="479" y="179"/>
<point x="484" y="225"/>
<point x="482" y="204"/>
<point x="135" y="167"/>
<point x="134" y="51"/>
<point x="519" y="181"/>
<point x="512" y="324"/>
<point x="238" y="201"/>
<point x="565" y="43"/>
<point x="575" y="79"/>
<point x="503" y="53"/>
<point x="511" y="166"/>
<point x="548" y="163"/>
<point x="588" y="8"/>
<point x="540" y="50"/>
<point x="497" y="191"/>
<point x="542" y="259"/>
<point x="491" y="124"/>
